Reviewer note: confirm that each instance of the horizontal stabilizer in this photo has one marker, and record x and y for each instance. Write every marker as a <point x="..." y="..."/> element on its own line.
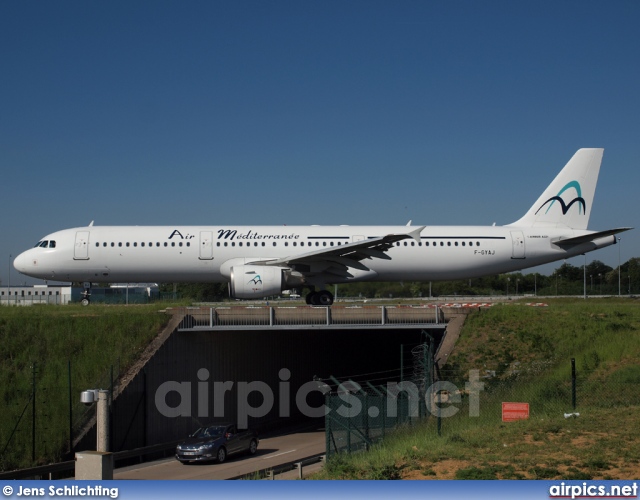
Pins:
<point x="585" y="238"/>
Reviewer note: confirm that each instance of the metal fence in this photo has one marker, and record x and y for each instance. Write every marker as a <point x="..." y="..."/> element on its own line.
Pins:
<point x="293" y="316"/>
<point x="360" y="413"/>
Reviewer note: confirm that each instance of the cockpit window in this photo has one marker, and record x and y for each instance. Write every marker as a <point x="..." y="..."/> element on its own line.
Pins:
<point x="45" y="244"/>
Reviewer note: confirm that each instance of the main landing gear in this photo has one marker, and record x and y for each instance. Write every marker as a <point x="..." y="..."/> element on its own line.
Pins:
<point x="321" y="298"/>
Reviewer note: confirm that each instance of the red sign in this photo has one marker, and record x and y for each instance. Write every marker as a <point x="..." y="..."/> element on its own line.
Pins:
<point x="515" y="411"/>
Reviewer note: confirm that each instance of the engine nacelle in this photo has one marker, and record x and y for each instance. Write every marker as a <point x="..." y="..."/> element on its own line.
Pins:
<point x="255" y="282"/>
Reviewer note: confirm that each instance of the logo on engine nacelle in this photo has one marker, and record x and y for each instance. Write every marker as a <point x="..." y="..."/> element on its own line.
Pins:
<point x="256" y="281"/>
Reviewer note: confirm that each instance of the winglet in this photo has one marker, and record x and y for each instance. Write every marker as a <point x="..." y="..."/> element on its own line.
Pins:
<point x="415" y="234"/>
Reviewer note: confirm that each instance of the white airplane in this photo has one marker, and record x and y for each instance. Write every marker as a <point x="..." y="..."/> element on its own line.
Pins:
<point x="259" y="261"/>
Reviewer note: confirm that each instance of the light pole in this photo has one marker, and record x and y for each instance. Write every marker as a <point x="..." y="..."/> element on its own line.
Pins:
<point x="517" y="281"/>
<point x="600" y="276"/>
<point x="508" y="280"/>
<point x="619" y="266"/>
<point x="584" y="272"/>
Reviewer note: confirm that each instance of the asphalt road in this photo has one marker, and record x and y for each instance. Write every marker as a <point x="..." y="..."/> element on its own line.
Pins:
<point x="271" y="452"/>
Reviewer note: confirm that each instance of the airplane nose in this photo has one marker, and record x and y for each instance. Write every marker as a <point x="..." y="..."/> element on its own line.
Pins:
<point x="20" y="263"/>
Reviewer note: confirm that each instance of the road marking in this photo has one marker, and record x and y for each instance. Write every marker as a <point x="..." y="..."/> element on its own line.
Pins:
<point x="278" y="454"/>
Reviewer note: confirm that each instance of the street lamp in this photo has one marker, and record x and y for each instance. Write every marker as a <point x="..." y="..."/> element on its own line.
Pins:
<point x="101" y="397"/>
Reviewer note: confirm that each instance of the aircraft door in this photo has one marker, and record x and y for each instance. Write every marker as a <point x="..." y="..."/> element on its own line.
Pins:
<point x="517" y="245"/>
<point x="206" y="245"/>
<point x="81" y="247"/>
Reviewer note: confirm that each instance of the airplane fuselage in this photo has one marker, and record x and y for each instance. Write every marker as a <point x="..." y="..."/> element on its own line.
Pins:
<point x="200" y="254"/>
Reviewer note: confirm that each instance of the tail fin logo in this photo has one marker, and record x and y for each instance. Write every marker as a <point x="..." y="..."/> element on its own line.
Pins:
<point x="582" y="206"/>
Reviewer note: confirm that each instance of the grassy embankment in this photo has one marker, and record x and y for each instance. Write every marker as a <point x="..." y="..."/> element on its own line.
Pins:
<point x="92" y="339"/>
<point x="529" y="349"/>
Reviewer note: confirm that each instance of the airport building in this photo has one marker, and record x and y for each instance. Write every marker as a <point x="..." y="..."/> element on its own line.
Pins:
<point x="135" y="293"/>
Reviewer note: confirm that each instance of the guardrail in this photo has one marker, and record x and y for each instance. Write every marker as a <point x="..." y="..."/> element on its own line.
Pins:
<point x="47" y="471"/>
<point x="272" y="472"/>
<point x="239" y="317"/>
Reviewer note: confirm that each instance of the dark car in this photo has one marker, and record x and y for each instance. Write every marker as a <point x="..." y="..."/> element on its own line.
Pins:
<point x="216" y="442"/>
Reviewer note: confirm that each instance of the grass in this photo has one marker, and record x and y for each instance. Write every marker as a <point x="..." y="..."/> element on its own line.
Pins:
<point x="53" y="338"/>
<point x="524" y="354"/>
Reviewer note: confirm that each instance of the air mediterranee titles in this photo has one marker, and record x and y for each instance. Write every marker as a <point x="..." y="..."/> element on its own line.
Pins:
<point x="232" y="234"/>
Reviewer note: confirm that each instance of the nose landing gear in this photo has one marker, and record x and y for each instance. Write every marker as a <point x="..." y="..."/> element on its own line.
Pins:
<point x="86" y="295"/>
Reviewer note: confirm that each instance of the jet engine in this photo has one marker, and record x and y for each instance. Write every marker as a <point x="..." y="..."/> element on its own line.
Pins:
<point x="254" y="282"/>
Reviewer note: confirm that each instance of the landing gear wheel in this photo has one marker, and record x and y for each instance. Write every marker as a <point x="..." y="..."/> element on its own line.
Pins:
<point x="85" y="302"/>
<point x="325" y="298"/>
<point x="312" y="298"/>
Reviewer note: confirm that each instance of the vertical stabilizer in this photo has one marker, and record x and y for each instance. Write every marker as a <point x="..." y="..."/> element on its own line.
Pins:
<point x="567" y="202"/>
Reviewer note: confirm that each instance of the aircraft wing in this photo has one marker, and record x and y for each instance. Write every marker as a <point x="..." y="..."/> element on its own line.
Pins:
<point x="585" y="238"/>
<point x="337" y="259"/>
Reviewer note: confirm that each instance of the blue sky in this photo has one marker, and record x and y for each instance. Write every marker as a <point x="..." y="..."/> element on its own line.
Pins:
<point x="311" y="112"/>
